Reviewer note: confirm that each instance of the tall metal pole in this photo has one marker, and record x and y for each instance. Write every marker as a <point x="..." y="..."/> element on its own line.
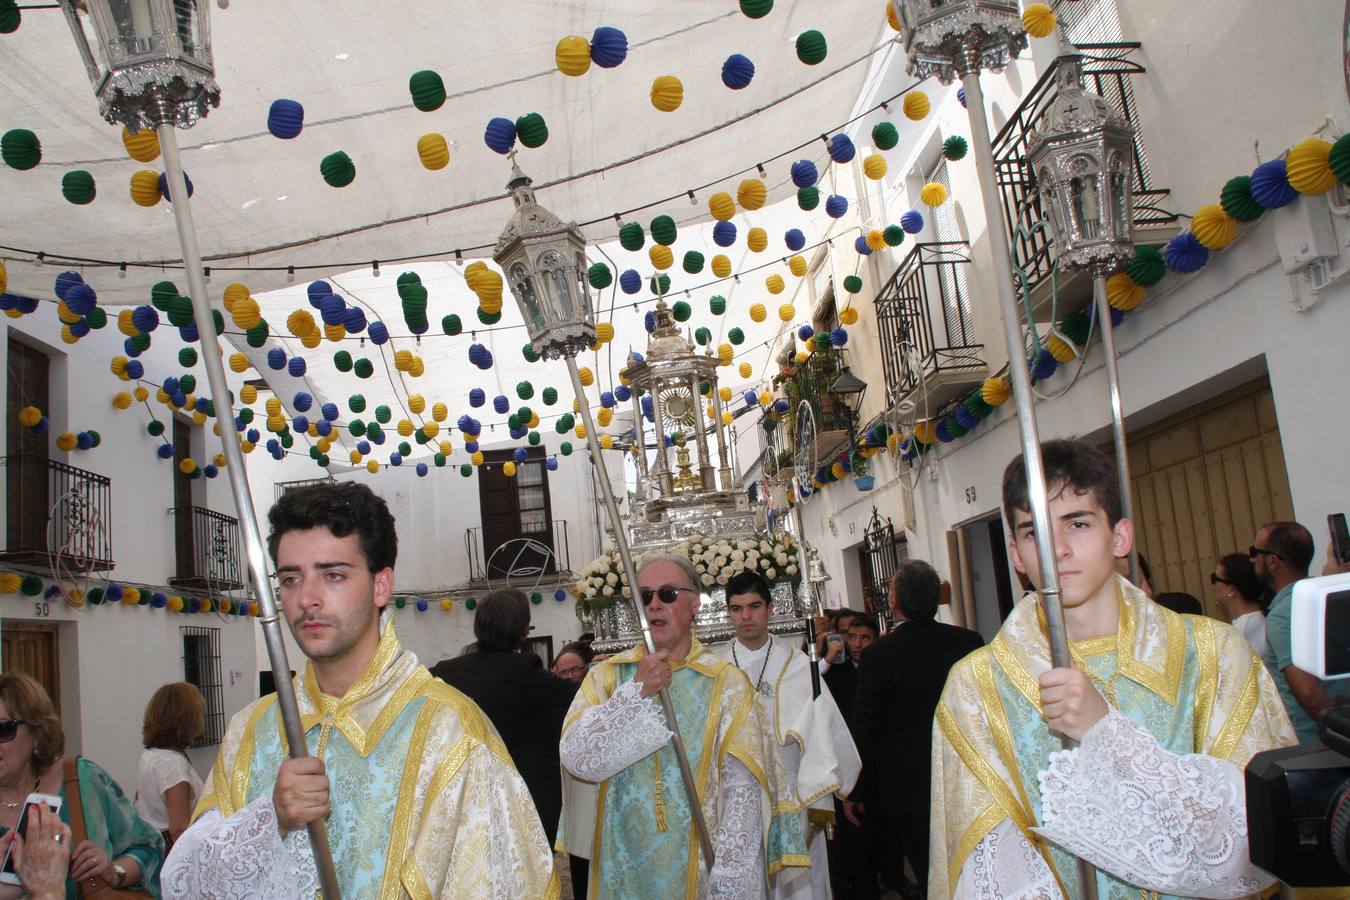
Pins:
<point x="968" y="65"/>
<point x="1117" y="409"/>
<point x="234" y="468"/>
<point x="630" y="571"/>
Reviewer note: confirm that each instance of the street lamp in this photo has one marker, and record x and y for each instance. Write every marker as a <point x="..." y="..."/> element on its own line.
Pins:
<point x="150" y="65"/>
<point x="545" y="265"/>
<point x="1081" y="153"/>
<point x="849" y="388"/>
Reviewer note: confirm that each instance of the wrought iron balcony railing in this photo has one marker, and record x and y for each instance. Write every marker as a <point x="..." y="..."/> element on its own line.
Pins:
<point x="58" y="517"/>
<point x="810" y="381"/>
<point x="1109" y="71"/>
<point x="207" y="549"/>
<point x="926" y="322"/>
<point x="519" y="557"/>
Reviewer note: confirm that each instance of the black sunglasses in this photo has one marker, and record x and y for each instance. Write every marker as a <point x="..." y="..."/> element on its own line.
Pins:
<point x="9" y="728"/>
<point x="665" y="593"/>
<point x="1215" y="579"/>
<point x="1254" y="552"/>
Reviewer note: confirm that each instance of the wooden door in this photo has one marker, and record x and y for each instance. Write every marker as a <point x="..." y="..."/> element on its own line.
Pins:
<point x="28" y="500"/>
<point x="32" y="649"/>
<point x="182" y="502"/>
<point x="515" y="508"/>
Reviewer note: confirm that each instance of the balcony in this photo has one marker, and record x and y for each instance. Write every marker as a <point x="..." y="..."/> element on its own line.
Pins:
<point x="927" y="326"/>
<point x="207" y="549"/>
<point x="810" y="382"/>
<point x="1109" y="71"/>
<point x="59" y="518"/>
<point x="520" y="558"/>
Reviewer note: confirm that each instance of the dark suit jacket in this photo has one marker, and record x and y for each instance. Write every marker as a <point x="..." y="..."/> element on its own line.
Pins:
<point x="527" y="706"/>
<point x="842" y="680"/>
<point x="900" y="680"/>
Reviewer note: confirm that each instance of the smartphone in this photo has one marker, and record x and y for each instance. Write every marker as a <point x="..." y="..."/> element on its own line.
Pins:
<point x="7" y="873"/>
<point x="1340" y="537"/>
<point x="834" y="654"/>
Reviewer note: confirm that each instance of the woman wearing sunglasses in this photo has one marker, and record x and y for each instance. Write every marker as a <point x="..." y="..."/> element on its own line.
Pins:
<point x="121" y="850"/>
<point x="1245" y="596"/>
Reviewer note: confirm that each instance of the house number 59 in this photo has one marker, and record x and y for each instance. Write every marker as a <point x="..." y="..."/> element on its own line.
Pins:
<point x="970" y="494"/>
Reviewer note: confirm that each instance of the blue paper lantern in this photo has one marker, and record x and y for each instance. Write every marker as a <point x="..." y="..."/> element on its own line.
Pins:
<point x="912" y="222"/>
<point x="751" y="398"/>
<point x="395" y="458"/>
<point x="354" y="320"/>
<point x="145" y="318"/>
<point x="480" y="356"/>
<point x="519" y="454"/>
<point x="65" y="281"/>
<point x="422" y="473"/>
<point x="300" y="423"/>
<point x="647" y="407"/>
<point x="285" y="118"/>
<point x="302" y="401"/>
<point x="159" y="599"/>
<point x="276" y="358"/>
<point x="501" y="404"/>
<point x="170" y="384"/>
<point x="330" y="411"/>
<point x="961" y="96"/>
<point x="331" y="309"/>
<point x="471" y="447"/>
<point x="738" y="71"/>
<point x="804" y="173"/>
<point x="630" y="281"/>
<point x="838" y="337"/>
<point x="465" y="422"/>
<point x="724" y="234"/>
<point x="1184" y="253"/>
<point x="188" y="333"/>
<point x="477" y="397"/>
<point x="252" y="436"/>
<point x="165" y="451"/>
<point x="794" y="239"/>
<point x="81" y="299"/>
<point x="551" y="464"/>
<point x="607" y="399"/>
<point x="622" y="393"/>
<point x="649" y="322"/>
<point x="841" y="148"/>
<point x="1270" y="186"/>
<point x="609" y="47"/>
<point x="836" y="206"/>
<point x="805" y="332"/>
<point x="317" y="290"/>
<point x="378" y="332"/>
<point x="26" y="304"/>
<point x="296" y="366"/>
<point x="500" y="135"/>
<point x="164" y="186"/>
<point x="965" y="418"/>
<point x="422" y="604"/>
<point x="1045" y="366"/>
<point x="323" y="427"/>
<point x="860" y="244"/>
<point x="79" y="329"/>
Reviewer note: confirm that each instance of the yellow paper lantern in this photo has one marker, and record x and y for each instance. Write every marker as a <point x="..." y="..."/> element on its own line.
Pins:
<point x="418" y="367"/>
<point x="1213" y="227"/>
<point x="509" y="469"/>
<point x="246" y="446"/>
<point x="802" y="357"/>
<point x="757" y="312"/>
<point x="119" y="366"/>
<point x="234" y="292"/>
<point x="661" y="256"/>
<point x="667" y="93"/>
<point x="433" y="151"/>
<point x="219" y="460"/>
<point x="1308" y="166"/>
<point x="725" y="393"/>
<point x="248" y="393"/>
<point x="757" y="239"/>
<point x="721" y="206"/>
<point x="126" y="324"/>
<point x="933" y="194"/>
<point x="1122" y="292"/>
<point x="874" y="166"/>
<point x="66" y="442"/>
<point x="751" y="193"/>
<point x="439" y="412"/>
<point x="311" y="339"/>
<point x="604" y="416"/>
<point x="163" y="397"/>
<point x="416" y="403"/>
<point x="573" y="55"/>
<point x="238" y="362"/>
<point x="246" y="313"/>
<point x="355" y="457"/>
<point x="916" y="105"/>
<point x="765" y="398"/>
<point x="405" y="428"/>
<point x="403" y="360"/>
<point x="1038" y="19"/>
<point x="1060" y="349"/>
<point x="143" y="146"/>
<point x="373" y="466"/>
<point x="709" y="411"/>
<point x="313" y="430"/>
<point x="727" y="418"/>
<point x="581" y="430"/>
<point x="745" y="370"/>
<point x="122" y="400"/>
<point x="476" y="457"/>
<point x="145" y="187"/>
<point x="926" y="432"/>
<point x="606" y="442"/>
<point x="186" y="465"/>
<point x="447" y="605"/>
<point x="64" y="313"/>
<point x="725" y="353"/>
<point x="721" y="265"/>
<point x="876" y="239"/>
<point x="848" y="315"/>
<point x="300" y="323"/>
<point x="140" y="393"/>
<point x="587" y="377"/>
<point x="797" y="265"/>
<point x="199" y="418"/>
<point x="604" y="332"/>
<point x="447" y="447"/>
<point x="774" y="283"/>
<point x="273" y="406"/>
<point x="891" y="19"/>
<point x="335" y="332"/>
<point x="787" y="312"/>
<point x="994" y="391"/>
<point x="10" y="583"/>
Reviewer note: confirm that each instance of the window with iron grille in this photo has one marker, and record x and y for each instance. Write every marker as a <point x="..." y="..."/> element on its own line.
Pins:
<point x="201" y="666"/>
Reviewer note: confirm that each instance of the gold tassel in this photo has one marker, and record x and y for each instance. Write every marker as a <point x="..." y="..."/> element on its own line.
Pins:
<point x="660" y="797"/>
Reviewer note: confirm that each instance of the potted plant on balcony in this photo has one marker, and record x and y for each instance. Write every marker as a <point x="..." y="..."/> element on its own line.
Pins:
<point x="785" y="467"/>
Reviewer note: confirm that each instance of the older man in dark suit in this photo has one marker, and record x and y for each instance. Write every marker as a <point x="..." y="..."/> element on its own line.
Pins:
<point x="900" y="680"/>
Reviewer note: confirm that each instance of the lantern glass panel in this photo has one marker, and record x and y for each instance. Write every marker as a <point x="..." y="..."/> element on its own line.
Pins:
<point x="1120" y="195"/>
<point x="523" y="287"/>
<point x="1086" y="204"/>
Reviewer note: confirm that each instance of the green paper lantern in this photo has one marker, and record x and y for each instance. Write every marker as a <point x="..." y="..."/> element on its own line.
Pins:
<point x="20" y="149"/>
<point x="693" y="262"/>
<point x="420" y="435"/>
<point x="659" y="284"/>
<point x="955" y="147"/>
<point x="564" y="423"/>
<point x="342" y="361"/>
<point x="532" y="130"/>
<point x="681" y="311"/>
<point x="373" y="431"/>
<point x="811" y="47"/>
<point x="1147" y="268"/>
<point x="717" y="304"/>
<point x="407" y="278"/>
<point x="523" y="415"/>
<point x="97" y="318"/>
<point x="363" y="368"/>
<point x="218" y="320"/>
<point x="162" y="293"/>
<point x="894" y="235"/>
<point x="852" y="284"/>
<point x="466" y="470"/>
<point x="808" y="198"/>
<point x="736" y="336"/>
<point x="705" y="388"/>
<point x="257" y="336"/>
<point x="1075" y="327"/>
<point x="470" y="604"/>
<point x="663" y="230"/>
<point x="383" y="414"/>
<point x="404" y="448"/>
<point x="821" y="340"/>
<point x="338" y="169"/>
<point x="451" y="325"/>
<point x="246" y="415"/>
<point x="488" y="318"/>
<point x="566" y="448"/>
<point x="524" y="390"/>
<point x="884" y="136"/>
<point x="631" y="236"/>
<point x="357" y="428"/>
<point x="439" y="460"/>
<point x="1236" y="199"/>
<point x="599" y="276"/>
<point x="534" y="438"/>
<point x="427" y="89"/>
<point x="977" y="406"/>
<point x="10" y="16"/>
<point x="31" y="586"/>
<point x="155" y="428"/>
<point x="536" y="598"/>
<point x="400" y="602"/>
<point x="77" y="186"/>
<point x="357" y="403"/>
<point x="95" y="596"/>
<point x="287" y="440"/>
<point x="1339" y="159"/>
<point x="187" y="357"/>
<point x="550" y="395"/>
<point x="703" y="336"/>
<point x="756" y="9"/>
<point x="188" y="383"/>
<point x="180" y="312"/>
<point x="529" y="353"/>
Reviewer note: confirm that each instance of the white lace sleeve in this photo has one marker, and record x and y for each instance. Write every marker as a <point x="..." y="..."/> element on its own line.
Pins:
<point x="612" y="736"/>
<point x="738" y="866"/>
<point x="1004" y="866"/>
<point x="241" y="857"/>
<point x="1176" y="824"/>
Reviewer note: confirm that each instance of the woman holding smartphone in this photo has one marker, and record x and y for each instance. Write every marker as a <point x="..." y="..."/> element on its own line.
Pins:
<point x="120" y="849"/>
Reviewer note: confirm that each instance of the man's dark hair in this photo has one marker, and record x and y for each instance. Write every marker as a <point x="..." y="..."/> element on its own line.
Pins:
<point x="1071" y="465"/>
<point x="840" y="615"/>
<point x="1294" y="544"/>
<point x="343" y="508"/>
<point x="916" y="589"/>
<point x="580" y="648"/>
<point x="748" y="581"/>
<point x="1180" y="602"/>
<point x="862" y="621"/>
<point x="501" y="621"/>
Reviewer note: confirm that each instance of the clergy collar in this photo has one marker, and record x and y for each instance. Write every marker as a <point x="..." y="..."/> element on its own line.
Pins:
<point x="699" y="658"/>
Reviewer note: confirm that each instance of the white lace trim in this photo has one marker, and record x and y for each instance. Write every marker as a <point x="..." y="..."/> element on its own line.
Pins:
<point x="609" y="738"/>
<point x="1171" y="823"/>
<point x="243" y="857"/>
<point x="738" y="845"/>
<point x="1005" y="866"/>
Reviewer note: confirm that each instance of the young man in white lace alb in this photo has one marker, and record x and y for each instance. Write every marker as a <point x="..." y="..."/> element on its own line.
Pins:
<point x="1168" y="709"/>
<point x="417" y="793"/>
<point x="616" y="735"/>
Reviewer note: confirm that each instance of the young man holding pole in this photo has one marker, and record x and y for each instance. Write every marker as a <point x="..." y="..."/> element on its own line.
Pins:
<point x="1168" y="709"/>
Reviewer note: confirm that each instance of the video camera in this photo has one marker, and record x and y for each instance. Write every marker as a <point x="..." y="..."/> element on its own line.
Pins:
<point x="1298" y="798"/>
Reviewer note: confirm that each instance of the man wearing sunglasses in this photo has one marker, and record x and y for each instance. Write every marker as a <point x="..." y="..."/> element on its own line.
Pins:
<point x="1281" y="554"/>
<point x="616" y="735"/>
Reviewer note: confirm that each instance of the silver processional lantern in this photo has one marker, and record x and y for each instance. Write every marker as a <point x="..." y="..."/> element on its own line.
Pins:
<point x="1082" y="154"/>
<point x="946" y="38"/>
